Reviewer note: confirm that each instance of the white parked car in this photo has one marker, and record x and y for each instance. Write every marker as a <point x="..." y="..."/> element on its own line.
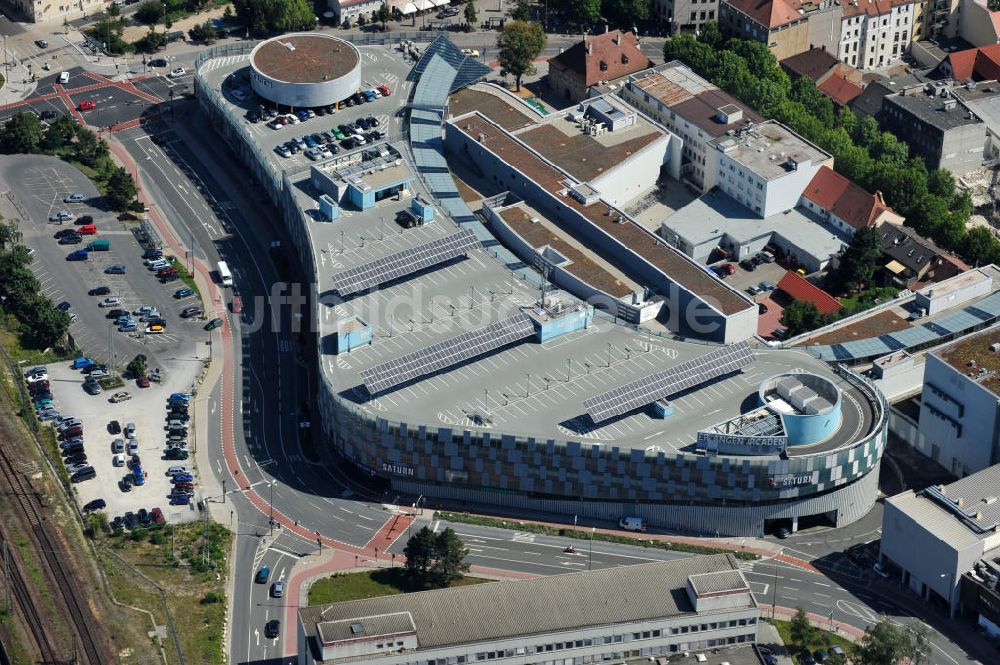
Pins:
<point x="177" y="72"/>
<point x="110" y="302"/>
<point x="118" y="460"/>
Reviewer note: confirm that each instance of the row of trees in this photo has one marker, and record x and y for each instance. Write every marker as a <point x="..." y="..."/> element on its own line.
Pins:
<point x="874" y="159"/>
<point x="24" y="133"/>
<point x="270" y="16"/>
<point x="41" y="324"/>
<point x="627" y="13"/>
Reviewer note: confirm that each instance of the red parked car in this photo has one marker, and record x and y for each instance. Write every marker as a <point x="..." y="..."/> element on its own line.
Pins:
<point x="87" y="105"/>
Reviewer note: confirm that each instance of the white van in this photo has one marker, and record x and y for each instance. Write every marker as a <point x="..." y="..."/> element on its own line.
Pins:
<point x="632" y="524"/>
<point x="64" y="77"/>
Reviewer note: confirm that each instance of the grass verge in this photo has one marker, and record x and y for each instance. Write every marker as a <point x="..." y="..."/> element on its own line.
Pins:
<point x="170" y="556"/>
<point x="583" y="534"/>
<point x="824" y="640"/>
<point x="185" y="276"/>
<point x="111" y="382"/>
<point x="369" y="584"/>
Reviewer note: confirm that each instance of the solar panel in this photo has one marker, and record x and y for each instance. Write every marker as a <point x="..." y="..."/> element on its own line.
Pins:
<point x="447" y="353"/>
<point x="403" y="263"/>
<point x="663" y="384"/>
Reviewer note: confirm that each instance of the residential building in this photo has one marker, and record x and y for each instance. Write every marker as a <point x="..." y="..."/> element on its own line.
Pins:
<point x="838" y="81"/>
<point x="944" y="543"/>
<point x="686" y="15"/>
<point x="352" y="10"/>
<point x="653" y="609"/>
<point x="875" y="33"/>
<point x="42" y="11"/>
<point x="786" y="26"/>
<point x="977" y="64"/>
<point x="936" y="126"/>
<point x="847" y="206"/>
<point x="691" y="108"/>
<point x="959" y="424"/>
<point x="593" y="61"/>
<point x="912" y="260"/>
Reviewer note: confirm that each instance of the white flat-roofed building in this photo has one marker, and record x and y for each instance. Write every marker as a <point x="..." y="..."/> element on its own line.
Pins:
<point x="766" y="166"/>
<point x="649" y="609"/>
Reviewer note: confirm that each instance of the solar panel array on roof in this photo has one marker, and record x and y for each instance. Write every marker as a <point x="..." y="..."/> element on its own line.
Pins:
<point x="663" y="384"/>
<point x="447" y="353"/>
<point x="986" y="310"/>
<point x="403" y="263"/>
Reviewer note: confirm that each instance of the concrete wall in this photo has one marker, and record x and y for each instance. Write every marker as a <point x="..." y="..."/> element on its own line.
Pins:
<point x="824" y="28"/>
<point x="975" y="24"/>
<point x="638" y="173"/>
<point x="962" y="150"/>
<point x="975" y="409"/>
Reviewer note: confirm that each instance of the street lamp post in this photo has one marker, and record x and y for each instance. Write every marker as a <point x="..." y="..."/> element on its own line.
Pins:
<point x="774" y="590"/>
<point x="590" y="555"/>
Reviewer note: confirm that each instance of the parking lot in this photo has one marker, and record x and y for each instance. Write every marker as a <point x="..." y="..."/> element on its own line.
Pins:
<point x="744" y="279"/>
<point x="147" y="409"/>
<point x="40" y="184"/>
<point x="381" y="66"/>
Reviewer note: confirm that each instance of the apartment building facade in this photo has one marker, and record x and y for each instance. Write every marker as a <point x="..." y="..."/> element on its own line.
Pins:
<point x="875" y="33"/>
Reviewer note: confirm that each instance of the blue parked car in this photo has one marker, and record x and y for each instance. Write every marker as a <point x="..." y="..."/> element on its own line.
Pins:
<point x="182" y="478"/>
<point x="81" y="363"/>
<point x="180" y="500"/>
<point x="303" y="115"/>
<point x="309" y="141"/>
<point x="78" y="255"/>
<point x="368" y="95"/>
<point x="263" y="574"/>
<point x="138" y="477"/>
<point x="181" y="396"/>
<point x="127" y="327"/>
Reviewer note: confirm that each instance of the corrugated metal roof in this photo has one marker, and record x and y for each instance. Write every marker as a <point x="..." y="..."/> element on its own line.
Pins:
<point x="979" y="495"/>
<point x="500" y="610"/>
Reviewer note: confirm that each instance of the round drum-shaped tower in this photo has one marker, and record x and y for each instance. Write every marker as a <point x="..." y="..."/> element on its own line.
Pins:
<point x="305" y="70"/>
<point x="809" y="405"/>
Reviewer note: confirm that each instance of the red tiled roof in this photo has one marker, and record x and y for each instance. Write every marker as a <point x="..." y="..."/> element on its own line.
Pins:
<point x="618" y="50"/>
<point x="799" y="288"/>
<point x="841" y="90"/>
<point x="981" y="63"/>
<point x="870" y="7"/>
<point x="832" y="191"/>
<point x="769" y="13"/>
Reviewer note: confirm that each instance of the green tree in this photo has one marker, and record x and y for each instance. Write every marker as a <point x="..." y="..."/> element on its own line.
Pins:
<point x="108" y="31"/>
<point x="521" y="11"/>
<point x="885" y="643"/>
<point x="10" y="236"/>
<point x="581" y="12"/>
<point x="420" y="552"/>
<point x="45" y="325"/>
<point x="121" y="190"/>
<point x="710" y="34"/>
<point x="859" y="263"/>
<point x="470" y="13"/>
<point x="113" y="10"/>
<point x="518" y="44"/>
<point x="204" y="32"/>
<point x="382" y="15"/>
<point x="22" y="133"/>
<point x="803" y="632"/>
<point x="980" y="247"/>
<point x="629" y="12"/>
<point x="137" y="366"/>
<point x="59" y="134"/>
<point x="449" y="558"/>
<point x="151" y="42"/>
<point x="89" y="149"/>
<point x="150" y="12"/>
<point x="801" y="316"/>
<point x="993" y="5"/>
<point x="274" y="16"/>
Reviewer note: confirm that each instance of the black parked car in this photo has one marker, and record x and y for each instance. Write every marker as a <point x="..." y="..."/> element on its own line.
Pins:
<point x="99" y="291"/>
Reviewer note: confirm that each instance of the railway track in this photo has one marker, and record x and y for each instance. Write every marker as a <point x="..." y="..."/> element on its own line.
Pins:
<point x="31" y="507"/>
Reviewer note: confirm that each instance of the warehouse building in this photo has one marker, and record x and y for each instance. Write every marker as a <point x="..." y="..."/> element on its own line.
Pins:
<point x="649" y="610"/>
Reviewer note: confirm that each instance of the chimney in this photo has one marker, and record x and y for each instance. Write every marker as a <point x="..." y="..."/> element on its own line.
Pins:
<point x="590" y="47"/>
<point x="605" y="28"/>
<point x="618" y="38"/>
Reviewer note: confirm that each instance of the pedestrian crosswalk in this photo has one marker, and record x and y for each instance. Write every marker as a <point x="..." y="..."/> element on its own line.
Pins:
<point x="521" y="537"/>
